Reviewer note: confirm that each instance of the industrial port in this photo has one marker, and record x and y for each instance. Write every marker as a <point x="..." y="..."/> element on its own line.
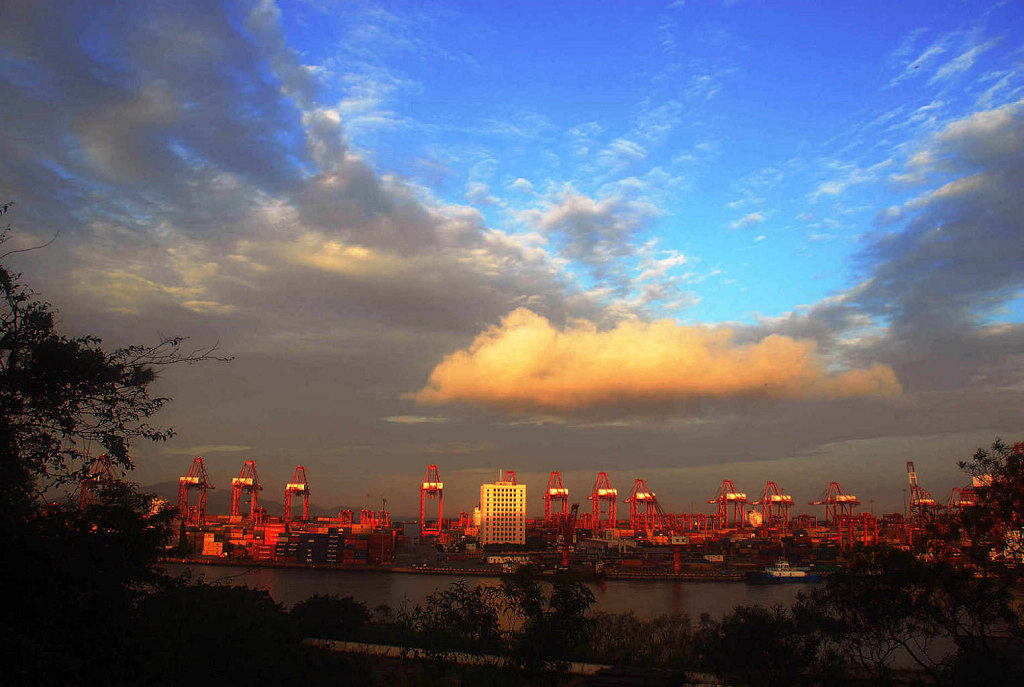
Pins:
<point x="739" y="534"/>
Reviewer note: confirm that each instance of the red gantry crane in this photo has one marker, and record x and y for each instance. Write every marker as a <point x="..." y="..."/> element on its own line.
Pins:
<point x="921" y="501"/>
<point x="195" y="479"/>
<point x="556" y="491"/>
<point x="643" y="507"/>
<point x="432" y="488"/>
<point x="298" y="485"/>
<point x="837" y="503"/>
<point x="774" y="506"/>
<point x="248" y="482"/>
<point x="962" y="497"/>
<point x="567" y="532"/>
<point x="729" y="496"/>
<point x="603" y="491"/>
<point x="99" y="475"/>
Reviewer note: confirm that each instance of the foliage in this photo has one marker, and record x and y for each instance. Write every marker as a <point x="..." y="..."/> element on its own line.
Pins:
<point x="62" y="396"/>
<point x="949" y="603"/>
<point x="533" y="632"/>
<point x="757" y="646"/>
<point x="623" y="639"/>
<point x="881" y="605"/>
<point x="553" y="627"/>
<point x="80" y="572"/>
<point x="330" y="617"/>
<point x="235" y="634"/>
<point x="459" y="618"/>
<point x="78" y="575"/>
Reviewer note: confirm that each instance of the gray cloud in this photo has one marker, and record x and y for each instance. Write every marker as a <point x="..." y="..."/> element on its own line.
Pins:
<point x="960" y="253"/>
<point x="593" y="231"/>
<point x="202" y="188"/>
<point x="943" y="265"/>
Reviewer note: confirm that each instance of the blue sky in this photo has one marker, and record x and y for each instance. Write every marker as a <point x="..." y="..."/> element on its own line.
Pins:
<point x="796" y="119"/>
<point x="678" y="241"/>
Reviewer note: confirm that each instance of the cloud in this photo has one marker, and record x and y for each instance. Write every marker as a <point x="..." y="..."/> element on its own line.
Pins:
<point x="888" y="216"/>
<point x="417" y="419"/>
<point x="962" y="62"/>
<point x="521" y="185"/>
<point x="852" y="175"/>
<point x="960" y="253"/>
<point x="913" y="67"/>
<point x="528" y="365"/>
<point x="204" y="449"/>
<point x="594" y="231"/>
<point x="620" y="153"/>
<point x="751" y="220"/>
<point x="479" y="193"/>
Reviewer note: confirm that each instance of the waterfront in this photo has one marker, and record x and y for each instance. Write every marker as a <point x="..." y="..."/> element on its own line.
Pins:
<point x="647" y="599"/>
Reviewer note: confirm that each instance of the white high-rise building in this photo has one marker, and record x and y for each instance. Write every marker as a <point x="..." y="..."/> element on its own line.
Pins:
<point x="503" y="513"/>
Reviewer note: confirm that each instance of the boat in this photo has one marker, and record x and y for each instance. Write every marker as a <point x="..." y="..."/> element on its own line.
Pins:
<point x="781" y="571"/>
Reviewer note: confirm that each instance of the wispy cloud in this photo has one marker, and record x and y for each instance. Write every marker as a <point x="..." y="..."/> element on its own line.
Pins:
<point x="747" y="221"/>
<point x="417" y="419"/>
<point x="962" y="62"/>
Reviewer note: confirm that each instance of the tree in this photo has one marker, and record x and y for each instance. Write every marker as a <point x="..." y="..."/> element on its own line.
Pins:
<point x="236" y="634"/>
<point x="65" y="401"/>
<point x="956" y="587"/>
<point x="75" y="574"/>
<point x="756" y="646"/>
<point x="883" y="604"/>
<point x="330" y="617"/>
<point x="458" y="618"/>
<point x="553" y="627"/>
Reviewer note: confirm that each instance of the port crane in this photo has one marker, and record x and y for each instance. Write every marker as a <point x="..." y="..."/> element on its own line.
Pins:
<point x="298" y="485"/>
<point x="921" y="501"/>
<point x="247" y="482"/>
<point x="99" y="476"/>
<point x="603" y="491"/>
<point x="728" y="496"/>
<point x="195" y="479"/>
<point x="556" y="491"/>
<point x="774" y="506"/>
<point x="567" y="532"/>
<point x="432" y="488"/>
<point x="642" y="507"/>
<point x="837" y="503"/>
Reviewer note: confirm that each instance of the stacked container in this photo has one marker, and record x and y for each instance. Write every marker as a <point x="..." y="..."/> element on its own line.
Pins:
<point x="211" y="547"/>
<point x="381" y="548"/>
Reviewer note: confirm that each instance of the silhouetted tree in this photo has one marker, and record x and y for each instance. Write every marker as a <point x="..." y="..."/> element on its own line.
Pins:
<point x="758" y="646"/>
<point x="330" y="617"/>
<point x="74" y="574"/>
<point x="955" y="587"/>
<point x="553" y="627"/>
<point x="878" y="608"/>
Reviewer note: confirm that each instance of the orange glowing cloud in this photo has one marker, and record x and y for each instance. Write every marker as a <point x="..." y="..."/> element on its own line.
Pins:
<point x="527" y="364"/>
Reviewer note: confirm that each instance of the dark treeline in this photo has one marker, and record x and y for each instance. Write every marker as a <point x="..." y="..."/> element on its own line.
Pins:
<point x="87" y="604"/>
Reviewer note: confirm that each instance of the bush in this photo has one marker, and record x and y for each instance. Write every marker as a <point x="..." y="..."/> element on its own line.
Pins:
<point x="330" y="617"/>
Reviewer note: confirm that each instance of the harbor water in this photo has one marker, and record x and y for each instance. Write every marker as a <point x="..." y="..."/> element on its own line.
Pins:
<point x="646" y="599"/>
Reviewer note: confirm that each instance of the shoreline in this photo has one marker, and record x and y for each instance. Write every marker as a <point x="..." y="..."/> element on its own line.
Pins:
<point x="731" y="577"/>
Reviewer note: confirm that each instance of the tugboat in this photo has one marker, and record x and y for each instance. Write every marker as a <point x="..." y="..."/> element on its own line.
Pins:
<point x="782" y="571"/>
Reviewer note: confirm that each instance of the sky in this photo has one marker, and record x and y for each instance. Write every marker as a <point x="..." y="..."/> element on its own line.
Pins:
<point x="678" y="241"/>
